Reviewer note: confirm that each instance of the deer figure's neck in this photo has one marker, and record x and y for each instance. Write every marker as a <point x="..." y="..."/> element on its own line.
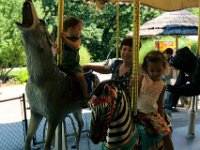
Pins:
<point x="40" y="64"/>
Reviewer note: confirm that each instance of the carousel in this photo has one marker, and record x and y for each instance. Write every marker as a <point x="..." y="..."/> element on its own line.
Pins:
<point x="46" y="102"/>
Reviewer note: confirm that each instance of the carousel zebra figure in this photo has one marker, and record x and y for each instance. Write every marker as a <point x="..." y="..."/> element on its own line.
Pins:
<point x="113" y="124"/>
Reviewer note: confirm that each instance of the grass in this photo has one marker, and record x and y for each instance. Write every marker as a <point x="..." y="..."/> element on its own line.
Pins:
<point x="20" y="75"/>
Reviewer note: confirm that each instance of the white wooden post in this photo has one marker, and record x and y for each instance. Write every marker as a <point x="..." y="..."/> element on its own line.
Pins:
<point x="60" y="138"/>
<point x="192" y="112"/>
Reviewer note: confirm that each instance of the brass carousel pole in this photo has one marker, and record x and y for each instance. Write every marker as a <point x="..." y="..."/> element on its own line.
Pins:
<point x="60" y="27"/>
<point x="135" y="52"/>
<point x="60" y="138"/>
<point x="117" y="29"/>
<point x="198" y="50"/>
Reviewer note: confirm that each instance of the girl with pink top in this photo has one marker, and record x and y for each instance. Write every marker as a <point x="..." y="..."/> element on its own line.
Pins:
<point x="151" y="92"/>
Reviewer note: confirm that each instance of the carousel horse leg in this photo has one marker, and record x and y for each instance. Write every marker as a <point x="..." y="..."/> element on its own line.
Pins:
<point x="33" y="125"/>
<point x="78" y="117"/>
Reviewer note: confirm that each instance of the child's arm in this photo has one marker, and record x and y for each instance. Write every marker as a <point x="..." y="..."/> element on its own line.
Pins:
<point x="73" y="45"/>
<point x="98" y="68"/>
<point x="160" y="103"/>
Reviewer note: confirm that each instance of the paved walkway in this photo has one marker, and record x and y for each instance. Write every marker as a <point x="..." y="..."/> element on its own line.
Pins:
<point x="7" y="92"/>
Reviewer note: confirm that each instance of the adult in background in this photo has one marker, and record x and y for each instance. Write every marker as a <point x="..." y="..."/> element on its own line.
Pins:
<point x="121" y="69"/>
<point x="187" y="83"/>
<point x="167" y="77"/>
<point x="187" y="62"/>
<point x="168" y="73"/>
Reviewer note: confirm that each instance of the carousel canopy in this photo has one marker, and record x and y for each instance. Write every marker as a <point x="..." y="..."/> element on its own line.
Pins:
<point x="167" y="5"/>
<point x="171" y="23"/>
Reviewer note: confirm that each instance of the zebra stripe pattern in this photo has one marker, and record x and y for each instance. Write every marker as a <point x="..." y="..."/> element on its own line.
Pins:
<point x="120" y="129"/>
<point x="112" y="116"/>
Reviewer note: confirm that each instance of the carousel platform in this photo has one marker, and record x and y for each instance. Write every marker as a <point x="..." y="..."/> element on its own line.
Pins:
<point x="181" y="136"/>
<point x="181" y="141"/>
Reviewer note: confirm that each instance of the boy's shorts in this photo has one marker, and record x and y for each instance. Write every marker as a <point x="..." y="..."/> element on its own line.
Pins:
<point x="73" y="69"/>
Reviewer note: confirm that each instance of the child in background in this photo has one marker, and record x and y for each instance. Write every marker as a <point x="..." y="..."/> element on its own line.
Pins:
<point x="70" y="55"/>
<point x="168" y="71"/>
<point x="167" y="79"/>
<point x="151" y="92"/>
<point x="168" y="53"/>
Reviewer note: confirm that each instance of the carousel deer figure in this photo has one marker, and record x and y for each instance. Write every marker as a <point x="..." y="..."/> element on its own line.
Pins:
<point x="51" y="93"/>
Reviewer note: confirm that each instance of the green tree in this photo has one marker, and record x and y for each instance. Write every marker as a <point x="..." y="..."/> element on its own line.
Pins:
<point x="148" y="13"/>
<point x="11" y="48"/>
<point x="99" y="35"/>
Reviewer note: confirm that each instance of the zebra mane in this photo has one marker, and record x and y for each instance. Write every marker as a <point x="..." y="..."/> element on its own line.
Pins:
<point x="104" y="99"/>
<point x="105" y="93"/>
<point x="108" y="104"/>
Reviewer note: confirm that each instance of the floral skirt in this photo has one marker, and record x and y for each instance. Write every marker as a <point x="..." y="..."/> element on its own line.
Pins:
<point x="158" y="123"/>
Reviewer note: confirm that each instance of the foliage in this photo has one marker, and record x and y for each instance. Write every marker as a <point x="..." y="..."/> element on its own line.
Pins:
<point x="11" y="48"/>
<point x="194" y="46"/>
<point x="148" y="13"/>
<point x="149" y="44"/>
<point x="98" y="37"/>
<point x="48" y="11"/>
<point x="195" y="11"/>
<point x="9" y="45"/>
<point x="22" y="76"/>
<point x="85" y="56"/>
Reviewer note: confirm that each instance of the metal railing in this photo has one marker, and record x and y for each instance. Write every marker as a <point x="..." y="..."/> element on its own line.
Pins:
<point x="13" y="123"/>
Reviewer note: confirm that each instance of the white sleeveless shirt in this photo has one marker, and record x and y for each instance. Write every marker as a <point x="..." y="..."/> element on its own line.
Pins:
<point x="149" y="94"/>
